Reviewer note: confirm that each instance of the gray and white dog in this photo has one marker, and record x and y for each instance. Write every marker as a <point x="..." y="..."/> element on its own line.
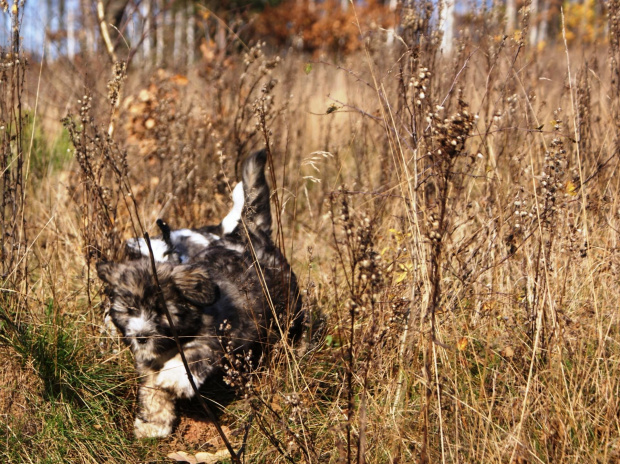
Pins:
<point x="234" y="295"/>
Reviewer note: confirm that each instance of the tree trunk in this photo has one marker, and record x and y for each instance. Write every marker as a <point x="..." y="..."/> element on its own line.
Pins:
<point x="48" y="29"/>
<point x="190" y="34"/>
<point x="544" y="21"/>
<point x="511" y="16"/>
<point x="88" y="25"/>
<point x="534" y="22"/>
<point x="71" y="48"/>
<point x="61" y="24"/>
<point x="104" y="30"/>
<point x="177" y="20"/>
<point x="159" y="28"/>
<point x="446" y="25"/>
<point x="147" y="43"/>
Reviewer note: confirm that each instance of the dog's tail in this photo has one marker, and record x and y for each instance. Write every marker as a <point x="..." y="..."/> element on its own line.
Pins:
<point x="256" y="213"/>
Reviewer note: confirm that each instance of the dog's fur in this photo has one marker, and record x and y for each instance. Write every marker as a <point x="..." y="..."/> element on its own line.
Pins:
<point x="179" y="246"/>
<point x="235" y="295"/>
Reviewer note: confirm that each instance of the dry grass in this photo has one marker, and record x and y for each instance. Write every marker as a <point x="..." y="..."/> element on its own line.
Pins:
<point x="453" y="221"/>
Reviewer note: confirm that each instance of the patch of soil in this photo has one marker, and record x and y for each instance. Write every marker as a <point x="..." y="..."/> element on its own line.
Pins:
<point x="201" y="434"/>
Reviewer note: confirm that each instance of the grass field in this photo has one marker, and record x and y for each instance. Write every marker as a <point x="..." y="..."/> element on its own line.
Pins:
<point x="453" y="221"/>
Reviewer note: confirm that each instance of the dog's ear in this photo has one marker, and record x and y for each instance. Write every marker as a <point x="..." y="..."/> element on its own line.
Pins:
<point x="195" y="284"/>
<point x="108" y="272"/>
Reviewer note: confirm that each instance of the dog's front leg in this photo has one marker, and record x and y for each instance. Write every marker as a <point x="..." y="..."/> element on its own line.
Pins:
<point x="157" y="411"/>
<point x="173" y="375"/>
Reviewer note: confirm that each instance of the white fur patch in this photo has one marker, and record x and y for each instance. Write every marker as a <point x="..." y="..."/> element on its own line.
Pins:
<point x="151" y="430"/>
<point x="194" y="237"/>
<point x="173" y="377"/>
<point x="136" y="325"/>
<point x="232" y="219"/>
<point x="235" y="247"/>
<point x="158" y="245"/>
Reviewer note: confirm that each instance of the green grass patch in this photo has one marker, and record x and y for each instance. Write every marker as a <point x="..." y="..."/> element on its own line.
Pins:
<point x="80" y="409"/>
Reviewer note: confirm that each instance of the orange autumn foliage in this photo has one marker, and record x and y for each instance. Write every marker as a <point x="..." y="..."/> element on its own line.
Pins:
<point x="323" y="26"/>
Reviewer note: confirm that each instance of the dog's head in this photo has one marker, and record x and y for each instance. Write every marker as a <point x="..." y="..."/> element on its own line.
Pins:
<point x="137" y="310"/>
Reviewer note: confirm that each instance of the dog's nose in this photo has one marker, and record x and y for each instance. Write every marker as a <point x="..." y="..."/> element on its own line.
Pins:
<point x="141" y="340"/>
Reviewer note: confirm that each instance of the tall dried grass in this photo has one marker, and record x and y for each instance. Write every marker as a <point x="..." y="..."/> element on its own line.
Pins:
<point x="453" y="221"/>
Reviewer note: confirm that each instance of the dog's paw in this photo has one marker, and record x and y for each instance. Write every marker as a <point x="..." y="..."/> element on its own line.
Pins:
<point x="173" y="377"/>
<point x="144" y="429"/>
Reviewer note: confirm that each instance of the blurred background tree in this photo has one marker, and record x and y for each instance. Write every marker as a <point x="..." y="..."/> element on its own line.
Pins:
<point x="174" y="32"/>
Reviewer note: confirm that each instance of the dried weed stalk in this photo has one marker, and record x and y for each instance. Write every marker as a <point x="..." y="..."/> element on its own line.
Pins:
<point x="14" y="161"/>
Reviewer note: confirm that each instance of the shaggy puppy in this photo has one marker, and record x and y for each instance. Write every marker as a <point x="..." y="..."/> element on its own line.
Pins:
<point x="234" y="296"/>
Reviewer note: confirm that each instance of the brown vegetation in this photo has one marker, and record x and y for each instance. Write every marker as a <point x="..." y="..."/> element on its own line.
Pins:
<point x="453" y="221"/>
